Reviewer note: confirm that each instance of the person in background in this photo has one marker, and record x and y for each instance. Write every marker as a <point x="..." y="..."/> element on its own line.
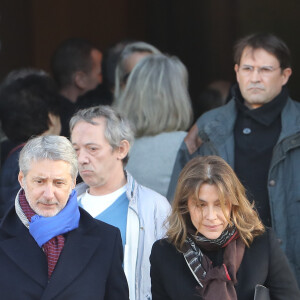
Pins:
<point x="76" y="69"/>
<point x="129" y="57"/>
<point x="216" y="245"/>
<point x="29" y="107"/>
<point x="213" y="96"/>
<point x="10" y="78"/>
<point x="21" y="74"/>
<point x="157" y="102"/>
<point x="110" y="61"/>
<point x="103" y="93"/>
<point x="102" y="138"/>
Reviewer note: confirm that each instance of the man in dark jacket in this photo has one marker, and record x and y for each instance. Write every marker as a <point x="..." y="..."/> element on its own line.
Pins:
<point x="76" y="68"/>
<point x="29" y="106"/>
<point x="258" y="134"/>
<point x="50" y="247"/>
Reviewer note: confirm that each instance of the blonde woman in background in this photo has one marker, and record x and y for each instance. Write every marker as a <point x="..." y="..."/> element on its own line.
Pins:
<point x="157" y="103"/>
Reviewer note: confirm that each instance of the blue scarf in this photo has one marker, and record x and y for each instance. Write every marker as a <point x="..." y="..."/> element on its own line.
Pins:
<point x="44" y="229"/>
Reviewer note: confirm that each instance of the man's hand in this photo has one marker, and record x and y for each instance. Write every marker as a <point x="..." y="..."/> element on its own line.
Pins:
<point x="192" y="140"/>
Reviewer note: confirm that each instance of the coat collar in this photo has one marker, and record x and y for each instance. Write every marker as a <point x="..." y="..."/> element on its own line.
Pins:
<point x="131" y="189"/>
<point x="290" y="120"/>
<point x="218" y="124"/>
<point x="221" y="125"/>
<point x="79" y="248"/>
<point x="216" y="128"/>
<point x="22" y="249"/>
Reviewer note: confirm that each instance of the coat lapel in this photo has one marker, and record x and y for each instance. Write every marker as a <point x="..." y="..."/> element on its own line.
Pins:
<point x="26" y="254"/>
<point x="78" y="250"/>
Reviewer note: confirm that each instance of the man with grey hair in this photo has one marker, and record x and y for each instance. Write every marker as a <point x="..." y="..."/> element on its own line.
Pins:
<point x="50" y="246"/>
<point x="102" y="140"/>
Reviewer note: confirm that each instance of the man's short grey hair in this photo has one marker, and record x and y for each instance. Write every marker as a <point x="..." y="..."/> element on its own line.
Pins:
<point x="117" y="127"/>
<point x="121" y="70"/>
<point x="51" y="147"/>
<point x="156" y="97"/>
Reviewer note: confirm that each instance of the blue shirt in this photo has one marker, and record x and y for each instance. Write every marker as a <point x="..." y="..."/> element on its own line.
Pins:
<point x="116" y="215"/>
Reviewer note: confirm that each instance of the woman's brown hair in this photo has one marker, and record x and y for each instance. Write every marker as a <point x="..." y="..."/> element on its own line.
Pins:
<point x="212" y="170"/>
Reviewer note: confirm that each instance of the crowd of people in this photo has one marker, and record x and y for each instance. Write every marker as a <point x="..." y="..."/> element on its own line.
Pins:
<point x="108" y="191"/>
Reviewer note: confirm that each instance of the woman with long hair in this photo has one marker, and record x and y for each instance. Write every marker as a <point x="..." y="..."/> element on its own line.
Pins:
<point x="157" y="103"/>
<point x="216" y="245"/>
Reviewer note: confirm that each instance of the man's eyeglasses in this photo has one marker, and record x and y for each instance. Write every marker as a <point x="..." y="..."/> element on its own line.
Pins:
<point x="263" y="71"/>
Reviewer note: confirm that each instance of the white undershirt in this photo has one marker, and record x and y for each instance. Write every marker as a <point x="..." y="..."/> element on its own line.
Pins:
<point x="95" y="205"/>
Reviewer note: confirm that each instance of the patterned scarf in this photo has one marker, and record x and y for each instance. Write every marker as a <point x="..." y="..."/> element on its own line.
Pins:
<point x="53" y="246"/>
<point x="230" y="233"/>
<point x="216" y="282"/>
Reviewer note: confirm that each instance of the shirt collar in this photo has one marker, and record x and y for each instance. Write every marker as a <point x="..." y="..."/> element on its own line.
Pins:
<point x="267" y="113"/>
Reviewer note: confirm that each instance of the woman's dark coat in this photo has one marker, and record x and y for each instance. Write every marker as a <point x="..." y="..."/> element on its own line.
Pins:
<point x="263" y="263"/>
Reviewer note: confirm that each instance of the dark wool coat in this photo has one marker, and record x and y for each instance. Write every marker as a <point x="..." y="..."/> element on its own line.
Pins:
<point x="263" y="263"/>
<point x="89" y="267"/>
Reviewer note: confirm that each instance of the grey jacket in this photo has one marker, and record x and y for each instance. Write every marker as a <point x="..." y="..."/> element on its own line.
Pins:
<point x="216" y="132"/>
<point x="146" y="218"/>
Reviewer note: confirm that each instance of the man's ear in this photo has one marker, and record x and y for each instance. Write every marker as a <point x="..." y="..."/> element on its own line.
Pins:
<point x="21" y="179"/>
<point x="80" y="80"/>
<point x="286" y="73"/>
<point x="123" y="149"/>
<point x="236" y="69"/>
<point x="73" y="183"/>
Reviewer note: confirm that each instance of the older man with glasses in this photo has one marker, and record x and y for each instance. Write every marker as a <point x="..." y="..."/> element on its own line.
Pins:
<point x="258" y="134"/>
